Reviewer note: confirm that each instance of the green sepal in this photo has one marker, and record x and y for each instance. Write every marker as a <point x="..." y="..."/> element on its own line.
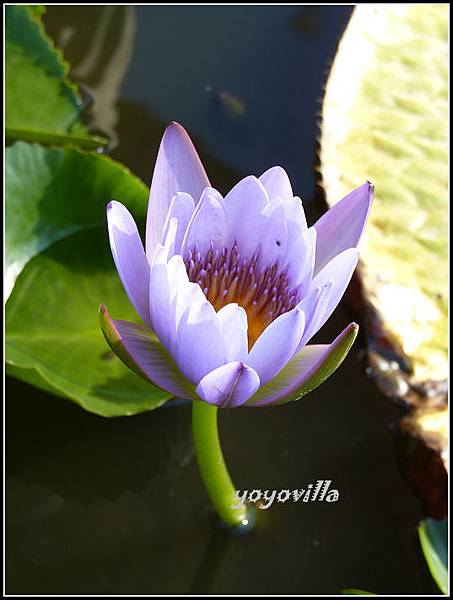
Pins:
<point x="306" y="371"/>
<point x="121" y="336"/>
<point x="433" y="537"/>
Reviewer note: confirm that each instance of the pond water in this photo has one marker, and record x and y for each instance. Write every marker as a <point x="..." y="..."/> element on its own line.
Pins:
<point x="99" y="506"/>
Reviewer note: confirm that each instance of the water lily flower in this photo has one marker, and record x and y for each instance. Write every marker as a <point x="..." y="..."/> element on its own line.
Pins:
<point x="231" y="289"/>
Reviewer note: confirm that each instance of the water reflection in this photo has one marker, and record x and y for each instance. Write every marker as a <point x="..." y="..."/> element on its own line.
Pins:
<point x="101" y="39"/>
<point x="211" y="562"/>
<point x="306" y="20"/>
<point x="80" y="456"/>
<point x="116" y="505"/>
<point x="256" y="60"/>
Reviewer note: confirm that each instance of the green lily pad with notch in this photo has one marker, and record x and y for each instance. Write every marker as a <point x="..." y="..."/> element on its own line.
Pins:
<point x="42" y="104"/>
<point x="385" y="119"/>
<point x="57" y="245"/>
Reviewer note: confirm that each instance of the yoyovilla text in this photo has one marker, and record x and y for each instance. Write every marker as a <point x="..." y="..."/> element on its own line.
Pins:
<point x="313" y="492"/>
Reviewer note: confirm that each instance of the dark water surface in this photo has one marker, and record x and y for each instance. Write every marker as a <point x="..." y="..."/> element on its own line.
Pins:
<point x="99" y="506"/>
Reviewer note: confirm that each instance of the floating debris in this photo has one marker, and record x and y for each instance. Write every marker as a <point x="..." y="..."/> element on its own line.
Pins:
<point x="231" y="104"/>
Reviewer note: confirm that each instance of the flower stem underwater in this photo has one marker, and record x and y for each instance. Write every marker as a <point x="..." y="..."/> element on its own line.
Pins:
<point x="213" y="468"/>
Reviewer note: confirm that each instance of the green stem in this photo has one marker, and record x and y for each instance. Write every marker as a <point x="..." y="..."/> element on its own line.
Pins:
<point x="212" y="465"/>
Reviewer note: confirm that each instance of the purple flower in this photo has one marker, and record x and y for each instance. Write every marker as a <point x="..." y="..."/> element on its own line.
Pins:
<point x="231" y="289"/>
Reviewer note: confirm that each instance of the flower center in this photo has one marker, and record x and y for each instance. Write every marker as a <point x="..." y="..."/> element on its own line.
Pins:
<point x="224" y="278"/>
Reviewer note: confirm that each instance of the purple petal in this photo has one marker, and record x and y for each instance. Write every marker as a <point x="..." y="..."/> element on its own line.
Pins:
<point x="341" y="227"/>
<point x="233" y="325"/>
<point x="229" y="385"/>
<point x="170" y="295"/>
<point x="269" y="233"/>
<point x="207" y="225"/>
<point x="177" y="275"/>
<point x="300" y="261"/>
<point x="277" y="344"/>
<point x="159" y="297"/>
<point x="314" y="306"/>
<point x="181" y="208"/>
<point x="339" y="270"/>
<point x="178" y="169"/>
<point x="185" y="296"/>
<point x="181" y="294"/>
<point x="297" y="222"/>
<point x="129" y="256"/>
<point x="243" y="205"/>
<point x="308" y="369"/>
<point x="169" y="241"/>
<point x="139" y="349"/>
<point x="295" y="212"/>
<point x="213" y="193"/>
<point x="277" y="184"/>
<point x="199" y="342"/>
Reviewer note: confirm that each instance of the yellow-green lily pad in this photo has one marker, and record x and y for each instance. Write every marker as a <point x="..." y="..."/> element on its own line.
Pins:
<point x="385" y="119"/>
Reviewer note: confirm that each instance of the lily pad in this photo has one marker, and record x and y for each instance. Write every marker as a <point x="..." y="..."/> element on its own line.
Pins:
<point x="385" y="118"/>
<point x="57" y="248"/>
<point x="422" y="453"/>
<point x="42" y="104"/>
<point x="52" y="193"/>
